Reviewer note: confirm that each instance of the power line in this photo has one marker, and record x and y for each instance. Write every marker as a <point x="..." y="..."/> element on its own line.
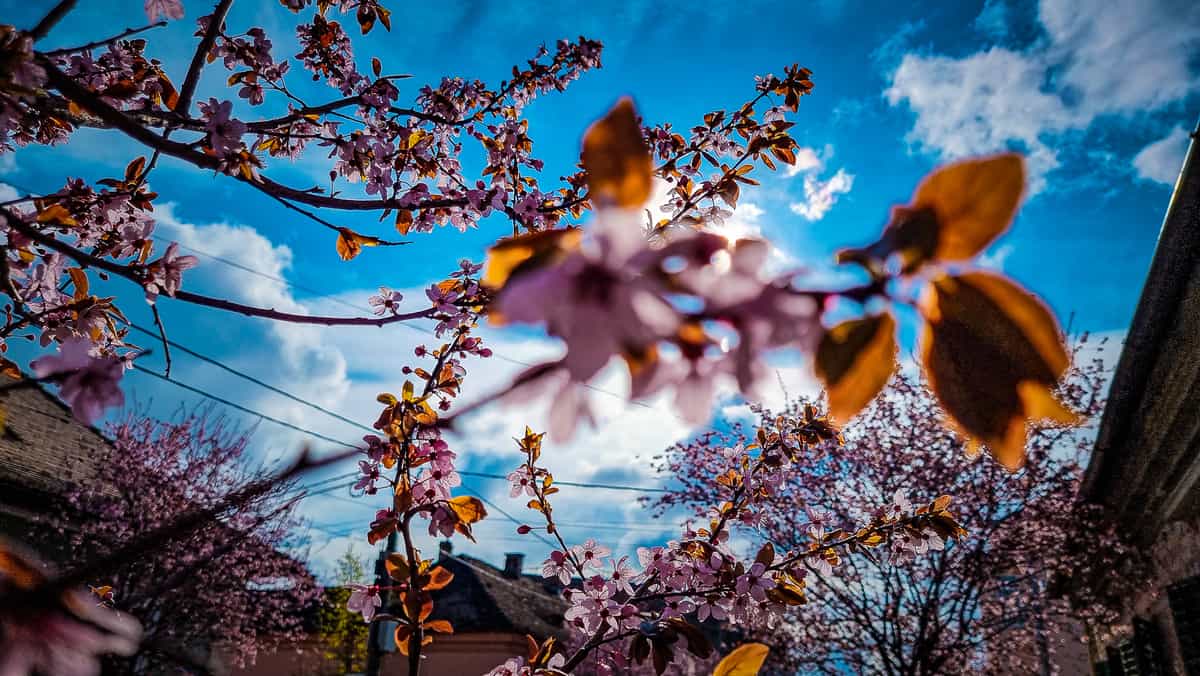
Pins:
<point x="508" y="516"/>
<point x="245" y="376"/>
<point x="318" y="435"/>
<point x="239" y="407"/>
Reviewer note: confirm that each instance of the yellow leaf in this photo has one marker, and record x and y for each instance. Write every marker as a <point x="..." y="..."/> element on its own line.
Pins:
<point x="993" y="354"/>
<point x="615" y="157"/>
<point x="468" y="509"/>
<point x="855" y="359"/>
<point x="975" y="201"/>
<point x="745" y="660"/>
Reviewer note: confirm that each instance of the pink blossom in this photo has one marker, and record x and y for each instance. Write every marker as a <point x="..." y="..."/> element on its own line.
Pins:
<point x="754" y="582"/>
<point x="557" y="566"/>
<point x="88" y="384"/>
<point x="65" y="644"/>
<point x="622" y="576"/>
<point x="596" y="299"/>
<point x="167" y="9"/>
<point x="165" y="275"/>
<point x="521" y="481"/>
<point x="590" y="554"/>
<point x="364" y="599"/>
<point x="224" y="132"/>
<point x="386" y="302"/>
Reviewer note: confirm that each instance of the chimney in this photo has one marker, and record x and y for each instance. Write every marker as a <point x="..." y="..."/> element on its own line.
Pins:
<point x="445" y="549"/>
<point x="513" y="563"/>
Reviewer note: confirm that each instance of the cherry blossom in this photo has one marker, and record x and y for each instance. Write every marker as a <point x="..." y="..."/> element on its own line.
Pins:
<point x="165" y="275"/>
<point x="364" y="600"/>
<point x="88" y="384"/>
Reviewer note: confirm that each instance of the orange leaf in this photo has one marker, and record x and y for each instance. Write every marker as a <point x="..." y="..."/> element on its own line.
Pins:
<point x="404" y="221"/>
<point x="438" y="578"/>
<point x="467" y="508"/>
<point x="615" y="157"/>
<point x="975" y="201"/>
<point x="441" y="626"/>
<point x="993" y="354"/>
<point x="350" y="243"/>
<point x="79" y="279"/>
<point x="397" y="567"/>
<point x="855" y="359"/>
<point x="745" y="660"/>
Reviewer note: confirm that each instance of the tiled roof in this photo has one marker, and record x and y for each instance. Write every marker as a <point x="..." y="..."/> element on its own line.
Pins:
<point x="482" y="599"/>
<point x="42" y="447"/>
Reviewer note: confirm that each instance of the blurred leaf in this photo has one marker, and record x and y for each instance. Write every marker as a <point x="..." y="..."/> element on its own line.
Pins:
<point x="993" y="354"/>
<point x="513" y="255"/>
<point x="855" y="359"/>
<point x="745" y="660"/>
<point x="617" y="161"/>
<point x="975" y="201"/>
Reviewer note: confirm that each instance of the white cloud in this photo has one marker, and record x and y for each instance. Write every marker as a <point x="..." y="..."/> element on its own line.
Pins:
<point x="808" y="159"/>
<point x="994" y="259"/>
<point x="1119" y="57"/>
<point x="821" y="195"/>
<point x="299" y="358"/>
<point x="1161" y="160"/>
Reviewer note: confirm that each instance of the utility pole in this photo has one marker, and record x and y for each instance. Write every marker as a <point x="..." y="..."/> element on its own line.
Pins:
<point x="375" y="637"/>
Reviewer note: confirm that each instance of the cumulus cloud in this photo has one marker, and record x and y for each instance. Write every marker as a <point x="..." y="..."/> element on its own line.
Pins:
<point x="999" y="99"/>
<point x="821" y="195"/>
<point x="1161" y="160"/>
<point x="808" y="159"/>
<point x="299" y="358"/>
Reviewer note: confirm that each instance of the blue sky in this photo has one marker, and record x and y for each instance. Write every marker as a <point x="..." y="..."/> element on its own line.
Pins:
<point x="1097" y="94"/>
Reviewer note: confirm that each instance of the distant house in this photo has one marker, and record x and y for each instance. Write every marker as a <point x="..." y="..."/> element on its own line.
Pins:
<point x="491" y="609"/>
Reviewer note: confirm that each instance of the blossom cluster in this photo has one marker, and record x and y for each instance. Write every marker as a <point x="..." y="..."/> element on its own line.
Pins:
<point x="620" y="611"/>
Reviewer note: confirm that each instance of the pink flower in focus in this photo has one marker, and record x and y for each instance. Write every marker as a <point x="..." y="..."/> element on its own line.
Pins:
<point x="557" y="566"/>
<point x="165" y="275"/>
<point x="521" y="481"/>
<point x="88" y="384"/>
<point x="755" y="582"/>
<point x="386" y="302"/>
<point x="364" y="600"/>
<point x="590" y="554"/>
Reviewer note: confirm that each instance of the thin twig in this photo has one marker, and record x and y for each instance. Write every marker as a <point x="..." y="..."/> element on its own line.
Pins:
<point x="49" y="21"/>
<point x="162" y="334"/>
<point x="128" y="32"/>
<point x="192" y="79"/>
<point x="133" y="274"/>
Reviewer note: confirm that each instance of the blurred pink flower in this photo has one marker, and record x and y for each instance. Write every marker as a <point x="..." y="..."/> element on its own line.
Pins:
<point x="88" y="384"/>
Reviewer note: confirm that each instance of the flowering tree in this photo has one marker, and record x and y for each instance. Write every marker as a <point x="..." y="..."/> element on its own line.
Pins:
<point x="227" y="585"/>
<point x="685" y="309"/>
<point x="994" y="602"/>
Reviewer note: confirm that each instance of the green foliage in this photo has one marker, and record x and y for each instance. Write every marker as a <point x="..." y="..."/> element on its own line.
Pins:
<point x="343" y="634"/>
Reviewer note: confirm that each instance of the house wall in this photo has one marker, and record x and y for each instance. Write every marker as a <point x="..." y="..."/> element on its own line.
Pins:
<point x="465" y="654"/>
<point x="456" y="654"/>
